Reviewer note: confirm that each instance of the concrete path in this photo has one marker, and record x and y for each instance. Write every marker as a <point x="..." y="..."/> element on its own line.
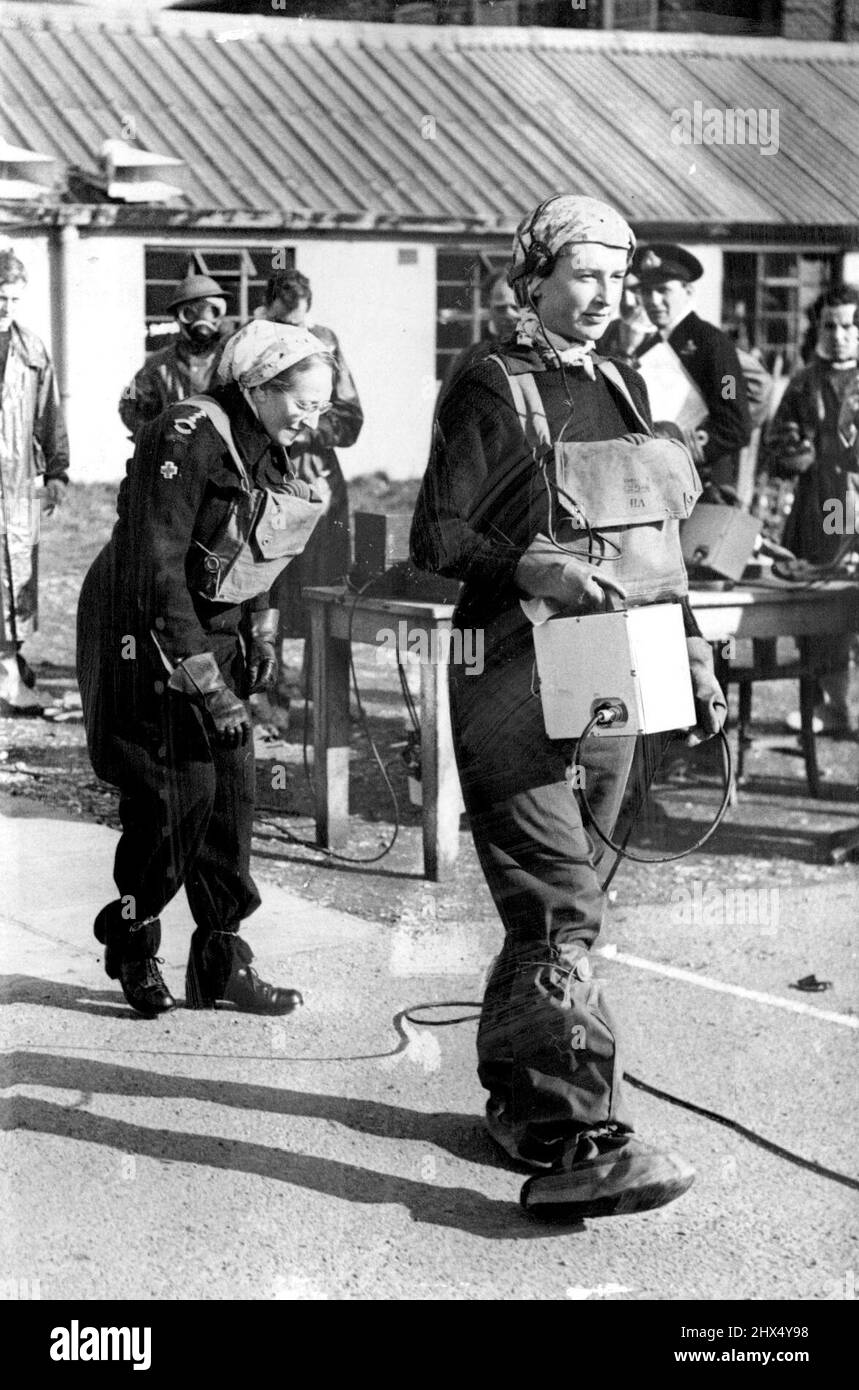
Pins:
<point x="332" y="1156"/>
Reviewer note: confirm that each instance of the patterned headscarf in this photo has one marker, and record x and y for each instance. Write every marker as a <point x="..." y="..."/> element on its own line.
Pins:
<point x="566" y="220"/>
<point x="262" y="350"/>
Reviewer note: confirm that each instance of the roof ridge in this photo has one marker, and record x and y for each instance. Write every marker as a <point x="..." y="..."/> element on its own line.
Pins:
<point x="279" y="28"/>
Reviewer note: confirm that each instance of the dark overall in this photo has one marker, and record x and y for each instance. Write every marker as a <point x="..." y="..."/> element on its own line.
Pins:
<point x="547" y="1041"/>
<point x="203" y="532"/>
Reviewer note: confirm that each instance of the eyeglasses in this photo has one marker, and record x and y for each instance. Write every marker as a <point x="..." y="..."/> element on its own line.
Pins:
<point x="303" y="408"/>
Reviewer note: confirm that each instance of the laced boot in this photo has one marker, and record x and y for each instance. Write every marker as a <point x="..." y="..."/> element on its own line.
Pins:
<point x="220" y="971"/>
<point x="130" y="957"/>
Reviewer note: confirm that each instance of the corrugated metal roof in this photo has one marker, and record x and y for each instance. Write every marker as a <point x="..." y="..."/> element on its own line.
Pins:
<point x="402" y="125"/>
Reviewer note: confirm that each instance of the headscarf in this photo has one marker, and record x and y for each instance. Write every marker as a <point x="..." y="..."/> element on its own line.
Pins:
<point x="565" y="220"/>
<point x="262" y="350"/>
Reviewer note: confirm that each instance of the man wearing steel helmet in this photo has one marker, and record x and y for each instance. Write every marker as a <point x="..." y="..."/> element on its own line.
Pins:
<point x="188" y="365"/>
<point x="488" y="514"/>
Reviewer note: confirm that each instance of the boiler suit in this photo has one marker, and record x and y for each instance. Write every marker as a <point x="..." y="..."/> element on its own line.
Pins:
<point x="186" y="801"/>
<point x="547" y="1044"/>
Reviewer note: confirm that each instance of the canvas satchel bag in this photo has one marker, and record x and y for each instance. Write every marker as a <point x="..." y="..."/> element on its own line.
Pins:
<point x="619" y="502"/>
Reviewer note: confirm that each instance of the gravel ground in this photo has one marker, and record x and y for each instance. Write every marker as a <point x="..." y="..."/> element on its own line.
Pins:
<point x="775" y="834"/>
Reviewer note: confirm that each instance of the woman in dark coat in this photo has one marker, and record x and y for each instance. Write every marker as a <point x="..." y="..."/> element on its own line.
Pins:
<point x="175" y="629"/>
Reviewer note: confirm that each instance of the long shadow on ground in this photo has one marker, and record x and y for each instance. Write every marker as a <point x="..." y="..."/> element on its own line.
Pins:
<point x="457" y="1208"/>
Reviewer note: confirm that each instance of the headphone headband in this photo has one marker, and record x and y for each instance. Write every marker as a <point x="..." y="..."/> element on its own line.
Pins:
<point x="538" y="259"/>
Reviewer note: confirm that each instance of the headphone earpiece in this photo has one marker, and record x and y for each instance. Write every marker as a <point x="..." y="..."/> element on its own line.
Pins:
<point x="538" y="259"/>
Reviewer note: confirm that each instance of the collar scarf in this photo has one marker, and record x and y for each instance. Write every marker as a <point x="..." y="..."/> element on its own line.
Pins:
<point x="550" y="347"/>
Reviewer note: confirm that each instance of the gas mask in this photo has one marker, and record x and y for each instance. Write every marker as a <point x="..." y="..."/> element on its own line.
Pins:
<point x="199" y="322"/>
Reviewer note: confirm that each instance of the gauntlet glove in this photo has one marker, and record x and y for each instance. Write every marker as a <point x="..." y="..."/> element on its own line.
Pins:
<point x="711" y="707"/>
<point x="262" y="657"/>
<point x="199" y="678"/>
<point x="549" y="571"/>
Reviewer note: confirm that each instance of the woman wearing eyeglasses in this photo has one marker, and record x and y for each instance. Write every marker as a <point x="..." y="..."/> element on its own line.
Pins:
<point x="175" y="630"/>
<point x="326" y="560"/>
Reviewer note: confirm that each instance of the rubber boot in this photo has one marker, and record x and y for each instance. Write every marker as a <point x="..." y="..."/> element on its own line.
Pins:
<point x="607" y="1171"/>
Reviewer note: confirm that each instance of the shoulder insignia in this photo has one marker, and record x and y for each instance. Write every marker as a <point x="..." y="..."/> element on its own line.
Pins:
<point x="186" y="424"/>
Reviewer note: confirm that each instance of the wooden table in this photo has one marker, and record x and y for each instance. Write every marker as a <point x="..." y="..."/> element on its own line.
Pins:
<point x="337" y="615"/>
<point x="764" y="612"/>
<point x="778" y="611"/>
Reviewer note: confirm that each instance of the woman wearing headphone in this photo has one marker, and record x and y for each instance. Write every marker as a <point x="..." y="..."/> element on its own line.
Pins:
<point x="491" y="513"/>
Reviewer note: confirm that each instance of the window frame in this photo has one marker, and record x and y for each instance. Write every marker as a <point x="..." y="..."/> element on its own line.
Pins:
<point x="193" y="254"/>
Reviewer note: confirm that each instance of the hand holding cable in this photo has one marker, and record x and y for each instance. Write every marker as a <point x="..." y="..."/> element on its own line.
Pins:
<point x="548" y="570"/>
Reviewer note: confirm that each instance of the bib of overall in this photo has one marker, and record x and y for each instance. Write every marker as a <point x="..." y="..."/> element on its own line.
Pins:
<point x="617" y="501"/>
<point x="265" y="528"/>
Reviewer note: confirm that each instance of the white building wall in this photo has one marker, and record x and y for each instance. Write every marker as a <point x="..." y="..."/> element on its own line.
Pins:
<point x="708" y="290"/>
<point x="851" y="268"/>
<point x="33" y="248"/>
<point x="382" y="306"/>
<point x="105" y="348"/>
<point x="380" y="303"/>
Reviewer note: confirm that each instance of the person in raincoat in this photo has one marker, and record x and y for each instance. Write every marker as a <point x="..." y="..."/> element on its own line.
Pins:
<point x="34" y="474"/>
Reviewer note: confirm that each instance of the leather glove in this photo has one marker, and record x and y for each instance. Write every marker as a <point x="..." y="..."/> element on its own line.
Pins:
<point x="711" y="707"/>
<point x="199" y="678"/>
<point x="54" y="496"/>
<point x="262" y="657"/>
<point x="549" y="571"/>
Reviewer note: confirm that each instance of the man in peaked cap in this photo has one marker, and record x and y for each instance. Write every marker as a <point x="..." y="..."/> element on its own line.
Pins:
<point x="187" y="366"/>
<point x="715" y="414"/>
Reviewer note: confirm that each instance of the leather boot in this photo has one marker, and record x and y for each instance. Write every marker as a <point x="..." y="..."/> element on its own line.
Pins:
<point x="130" y="957"/>
<point x="220" y="971"/>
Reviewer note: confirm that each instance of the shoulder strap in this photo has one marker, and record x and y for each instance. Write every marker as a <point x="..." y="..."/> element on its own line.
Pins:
<point x="611" y="373"/>
<point x="220" y="420"/>
<point x="528" y="406"/>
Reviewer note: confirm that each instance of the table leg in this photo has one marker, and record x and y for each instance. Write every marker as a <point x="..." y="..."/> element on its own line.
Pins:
<point x="807" y="694"/>
<point x="330" y="687"/>
<point x="439" y="776"/>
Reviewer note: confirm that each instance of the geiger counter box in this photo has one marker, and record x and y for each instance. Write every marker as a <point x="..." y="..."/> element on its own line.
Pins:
<point x="637" y="657"/>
